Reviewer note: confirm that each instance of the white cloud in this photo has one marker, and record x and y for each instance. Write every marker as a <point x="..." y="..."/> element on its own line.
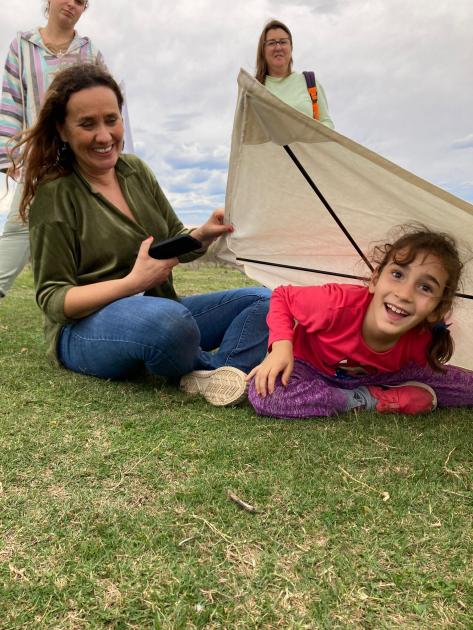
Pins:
<point x="396" y="74"/>
<point x="463" y="143"/>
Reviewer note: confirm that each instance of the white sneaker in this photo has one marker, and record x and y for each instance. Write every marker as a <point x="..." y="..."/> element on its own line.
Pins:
<point x="221" y="387"/>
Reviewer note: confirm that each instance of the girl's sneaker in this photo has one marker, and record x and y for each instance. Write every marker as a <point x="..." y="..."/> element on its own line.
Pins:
<point x="221" y="387"/>
<point x="409" y="398"/>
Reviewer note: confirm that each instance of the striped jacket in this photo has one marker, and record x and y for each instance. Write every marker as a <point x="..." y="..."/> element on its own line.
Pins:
<point x="29" y="59"/>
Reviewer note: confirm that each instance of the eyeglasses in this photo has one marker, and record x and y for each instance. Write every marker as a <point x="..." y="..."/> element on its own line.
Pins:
<point x="272" y="43"/>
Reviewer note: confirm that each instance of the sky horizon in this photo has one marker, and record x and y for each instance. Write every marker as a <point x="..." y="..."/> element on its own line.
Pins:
<point x="396" y="75"/>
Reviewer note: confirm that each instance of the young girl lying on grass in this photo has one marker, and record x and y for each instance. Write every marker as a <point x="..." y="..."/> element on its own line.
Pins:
<point x="378" y="347"/>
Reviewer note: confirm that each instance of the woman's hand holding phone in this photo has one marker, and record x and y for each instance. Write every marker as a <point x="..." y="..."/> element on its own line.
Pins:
<point x="148" y="272"/>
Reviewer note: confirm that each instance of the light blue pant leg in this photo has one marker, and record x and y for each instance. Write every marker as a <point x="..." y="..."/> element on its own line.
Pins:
<point x="165" y="335"/>
<point x="14" y="244"/>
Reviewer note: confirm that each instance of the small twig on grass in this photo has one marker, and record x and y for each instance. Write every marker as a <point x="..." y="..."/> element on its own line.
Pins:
<point x="128" y="470"/>
<point x="458" y="494"/>
<point x="384" y="445"/>
<point x="213" y="528"/>
<point x="285" y="578"/>
<point x="383" y="495"/>
<point x="449" y="470"/>
<point x="186" y="540"/>
<point x="243" y="504"/>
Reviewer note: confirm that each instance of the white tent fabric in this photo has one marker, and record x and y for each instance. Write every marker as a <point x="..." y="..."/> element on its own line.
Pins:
<point x="280" y="220"/>
<point x="129" y="145"/>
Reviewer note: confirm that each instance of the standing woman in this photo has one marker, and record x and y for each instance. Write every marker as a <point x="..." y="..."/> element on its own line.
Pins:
<point x="34" y="58"/>
<point x="274" y="71"/>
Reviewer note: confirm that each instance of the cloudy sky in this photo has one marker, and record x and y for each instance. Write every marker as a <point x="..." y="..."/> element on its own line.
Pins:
<point x="397" y="74"/>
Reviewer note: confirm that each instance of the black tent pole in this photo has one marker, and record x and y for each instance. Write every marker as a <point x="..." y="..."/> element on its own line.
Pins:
<point x="326" y="204"/>
<point x="284" y="266"/>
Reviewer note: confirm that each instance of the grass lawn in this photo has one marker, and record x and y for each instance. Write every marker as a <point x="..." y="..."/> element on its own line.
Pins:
<point x="114" y="510"/>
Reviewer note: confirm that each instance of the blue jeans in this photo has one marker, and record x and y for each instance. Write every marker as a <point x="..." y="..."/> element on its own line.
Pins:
<point x="170" y="338"/>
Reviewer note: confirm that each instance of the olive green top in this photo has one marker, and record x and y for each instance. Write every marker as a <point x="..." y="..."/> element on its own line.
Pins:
<point x="78" y="237"/>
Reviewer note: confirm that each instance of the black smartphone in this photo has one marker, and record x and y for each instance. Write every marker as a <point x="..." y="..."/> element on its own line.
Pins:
<point x="173" y="247"/>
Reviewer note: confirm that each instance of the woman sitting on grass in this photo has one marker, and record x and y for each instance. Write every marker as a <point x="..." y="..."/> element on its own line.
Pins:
<point x="109" y="307"/>
<point x="380" y="347"/>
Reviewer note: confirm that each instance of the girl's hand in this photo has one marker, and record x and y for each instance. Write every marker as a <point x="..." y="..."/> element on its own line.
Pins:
<point x="212" y="228"/>
<point x="280" y="359"/>
<point x="147" y="272"/>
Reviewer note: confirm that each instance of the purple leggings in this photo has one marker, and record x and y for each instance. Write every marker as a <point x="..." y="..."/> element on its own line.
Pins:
<point x="309" y="393"/>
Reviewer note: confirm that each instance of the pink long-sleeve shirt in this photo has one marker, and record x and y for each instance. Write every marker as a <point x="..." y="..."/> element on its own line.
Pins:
<point x="325" y="326"/>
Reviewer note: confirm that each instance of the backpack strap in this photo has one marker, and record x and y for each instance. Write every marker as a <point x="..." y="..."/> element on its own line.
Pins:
<point x="309" y="77"/>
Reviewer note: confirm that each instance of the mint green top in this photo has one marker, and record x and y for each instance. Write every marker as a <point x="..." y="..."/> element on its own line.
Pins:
<point x="78" y="237"/>
<point x="293" y="91"/>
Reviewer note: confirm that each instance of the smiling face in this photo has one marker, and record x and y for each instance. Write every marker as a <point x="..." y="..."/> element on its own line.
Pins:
<point x="66" y="13"/>
<point x="93" y="128"/>
<point x="278" y="58"/>
<point x="404" y="296"/>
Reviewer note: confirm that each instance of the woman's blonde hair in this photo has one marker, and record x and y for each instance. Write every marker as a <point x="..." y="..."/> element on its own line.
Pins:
<point x="261" y="65"/>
